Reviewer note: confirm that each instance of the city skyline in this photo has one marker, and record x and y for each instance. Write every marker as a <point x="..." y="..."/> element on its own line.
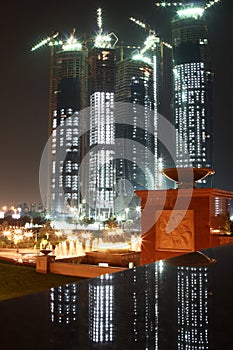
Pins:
<point x="25" y="85"/>
<point x="98" y="74"/>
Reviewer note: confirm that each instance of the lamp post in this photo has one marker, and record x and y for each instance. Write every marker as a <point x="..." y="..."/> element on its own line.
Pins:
<point x="126" y="213"/>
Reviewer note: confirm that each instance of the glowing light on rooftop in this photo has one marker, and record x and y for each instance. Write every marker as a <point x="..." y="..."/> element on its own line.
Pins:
<point x="72" y="44"/>
<point x="193" y="12"/>
<point x="140" y="57"/>
<point x="103" y="41"/>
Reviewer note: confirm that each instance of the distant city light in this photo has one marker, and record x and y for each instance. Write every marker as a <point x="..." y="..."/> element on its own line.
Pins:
<point x="15" y="216"/>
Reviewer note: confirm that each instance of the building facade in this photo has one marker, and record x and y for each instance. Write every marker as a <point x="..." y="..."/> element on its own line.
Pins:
<point x="102" y="62"/>
<point x="64" y="155"/>
<point x="192" y="91"/>
<point x="134" y="85"/>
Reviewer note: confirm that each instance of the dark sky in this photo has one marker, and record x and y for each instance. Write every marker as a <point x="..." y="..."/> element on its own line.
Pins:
<point x="25" y="79"/>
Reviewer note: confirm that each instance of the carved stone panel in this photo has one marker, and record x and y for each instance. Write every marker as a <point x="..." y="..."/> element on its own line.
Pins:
<point x="175" y="231"/>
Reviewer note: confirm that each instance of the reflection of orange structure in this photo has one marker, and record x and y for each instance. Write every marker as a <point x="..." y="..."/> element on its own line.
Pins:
<point x="195" y="231"/>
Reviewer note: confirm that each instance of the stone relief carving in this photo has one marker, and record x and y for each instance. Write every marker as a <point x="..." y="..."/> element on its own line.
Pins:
<point x="179" y="239"/>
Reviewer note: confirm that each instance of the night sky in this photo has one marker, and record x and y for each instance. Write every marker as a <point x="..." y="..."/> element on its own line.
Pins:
<point x="25" y="79"/>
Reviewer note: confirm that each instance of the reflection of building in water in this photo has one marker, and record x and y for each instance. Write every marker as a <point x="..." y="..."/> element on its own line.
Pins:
<point x="108" y="296"/>
<point x="101" y="299"/>
<point x="141" y="301"/>
<point x="64" y="304"/>
<point x="149" y="306"/>
<point x="192" y="308"/>
<point x="94" y="312"/>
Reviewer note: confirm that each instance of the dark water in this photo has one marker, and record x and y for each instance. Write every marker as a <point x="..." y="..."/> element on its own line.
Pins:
<point x="162" y="306"/>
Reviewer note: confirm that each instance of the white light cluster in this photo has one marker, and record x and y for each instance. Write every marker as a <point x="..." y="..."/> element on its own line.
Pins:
<point x="50" y="41"/>
<point x="169" y="46"/>
<point x="102" y="132"/>
<point x="150" y="43"/>
<point x="101" y="306"/>
<point x="211" y="3"/>
<point x="168" y="4"/>
<point x="140" y="57"/>
<point x="137" y="21"/>
<point x="190" y="112"/>
<point x="103" y="41"/>
<point x="193" y="12"/>
<point x="72" y="44"/>
<point x="192" y="308"/>
<point x="99" y="19"/>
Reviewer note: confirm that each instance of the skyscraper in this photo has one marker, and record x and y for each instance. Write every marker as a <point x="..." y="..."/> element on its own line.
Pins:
<point x="64" y="158"/>
<point x="102" y="131"/>
<point x="192" y="84"/>
<point x="134" y="84"/>
<point x="101" y="176"/>
<point x="86" y="165"/>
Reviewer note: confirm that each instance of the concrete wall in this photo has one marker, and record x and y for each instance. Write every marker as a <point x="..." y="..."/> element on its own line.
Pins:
<point x="81" y="270"/>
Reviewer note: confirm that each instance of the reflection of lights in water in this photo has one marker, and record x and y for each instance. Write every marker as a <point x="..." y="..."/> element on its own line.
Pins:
<point x="161" y="266"/>
<point x="101" y="297"/>
<point x="192" y="311"/>
<point x="64" y="304"/>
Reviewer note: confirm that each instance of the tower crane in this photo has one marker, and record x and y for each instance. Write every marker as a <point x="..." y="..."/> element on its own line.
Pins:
<point x="152" y="36"/>
<point x="71" y="44"/>
<point x="50" y="41"/>
<point x="122" y="46"/>
<point x="104" y="40"/>
<point x="152" y="40"/>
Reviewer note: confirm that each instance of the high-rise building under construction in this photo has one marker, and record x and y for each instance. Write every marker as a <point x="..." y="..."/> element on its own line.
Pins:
<point x="135" y="122"/>
<point x="89" y="169"/>
<point x="192" y="84"/>
<point x="101" y="177"/>
<point x="121" y="143"/>
<point x="65" y="155"/>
